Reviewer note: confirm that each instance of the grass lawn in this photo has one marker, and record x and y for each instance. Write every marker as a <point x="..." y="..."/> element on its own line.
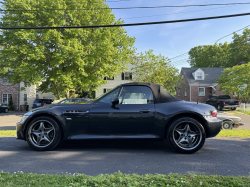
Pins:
<point x="8" y="133"/>
<point x="120" y="179"/>
<point x="239" y="133"/>
<point x="238" y="112"/>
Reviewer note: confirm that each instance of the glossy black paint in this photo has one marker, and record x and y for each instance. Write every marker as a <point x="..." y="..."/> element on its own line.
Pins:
<point x="103" y="120"/>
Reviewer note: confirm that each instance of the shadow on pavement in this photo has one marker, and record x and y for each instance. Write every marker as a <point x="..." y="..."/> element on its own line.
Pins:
<point x="13" y="114"/>
<point x="92" y="157"/>
<point x="7" y="128"/>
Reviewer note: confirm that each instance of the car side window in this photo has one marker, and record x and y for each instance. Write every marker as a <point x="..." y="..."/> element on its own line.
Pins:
<point x="136" y="95"/>
<point x="110" y="96"/>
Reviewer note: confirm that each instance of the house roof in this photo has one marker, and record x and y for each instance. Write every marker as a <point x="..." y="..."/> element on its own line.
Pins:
<point x="210" y="75"/>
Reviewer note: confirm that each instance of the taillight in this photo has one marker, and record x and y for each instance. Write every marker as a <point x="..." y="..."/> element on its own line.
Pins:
<point x="214" y="113"/>
<point x="44" y="104"/>
<point x="224" y="102"/>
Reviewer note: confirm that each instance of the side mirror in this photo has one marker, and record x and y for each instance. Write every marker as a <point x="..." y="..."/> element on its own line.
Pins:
<point x="115" y="102"/>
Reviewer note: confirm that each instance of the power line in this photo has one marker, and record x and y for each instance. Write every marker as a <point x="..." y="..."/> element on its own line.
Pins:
<point x="231" y="34"/>
<point x="131" y="24"/>
<point x="184" y="54"/>
<point x="176" y="13"/>
<point x="119" y="8"/>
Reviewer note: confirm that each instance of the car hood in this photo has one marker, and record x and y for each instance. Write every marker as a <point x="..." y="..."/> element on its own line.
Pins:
<point x="202" y="108"/>
<point x="58" y="108"/>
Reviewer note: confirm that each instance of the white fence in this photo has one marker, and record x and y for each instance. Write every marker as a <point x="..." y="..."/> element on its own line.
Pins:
<point x="244" y="107"/>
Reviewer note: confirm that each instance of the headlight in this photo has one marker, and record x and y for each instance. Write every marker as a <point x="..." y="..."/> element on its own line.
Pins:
<point x="24" y="118"/>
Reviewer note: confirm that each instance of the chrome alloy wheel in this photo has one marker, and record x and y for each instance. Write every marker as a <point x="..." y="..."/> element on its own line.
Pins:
<point x="41" y="133"/>
<point x="187" y="135"/>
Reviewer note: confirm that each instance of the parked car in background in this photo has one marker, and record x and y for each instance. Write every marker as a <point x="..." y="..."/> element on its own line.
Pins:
<point x="41" y="102"/>
<point x="223" y="101"/>
<point x="229" y="122"/>
<point x="4" y="108"/>
<point x="129" y="111"/>
<point x="74" y="100"/>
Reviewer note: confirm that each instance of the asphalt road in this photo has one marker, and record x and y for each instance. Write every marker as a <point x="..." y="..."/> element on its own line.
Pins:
<point x="93" y="157"/>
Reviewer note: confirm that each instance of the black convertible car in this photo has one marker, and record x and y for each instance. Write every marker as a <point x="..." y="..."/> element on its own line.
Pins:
<point x="133" y="110"/>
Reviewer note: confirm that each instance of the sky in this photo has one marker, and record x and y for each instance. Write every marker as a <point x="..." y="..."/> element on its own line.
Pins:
<point x="176" y="39"/>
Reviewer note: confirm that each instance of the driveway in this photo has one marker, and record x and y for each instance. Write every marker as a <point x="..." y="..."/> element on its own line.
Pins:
<point x="93" y="157"/>
<point x="8" y="120"/>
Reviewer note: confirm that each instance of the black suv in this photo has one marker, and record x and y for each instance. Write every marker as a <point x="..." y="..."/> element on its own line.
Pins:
<point x="41" y="102"/>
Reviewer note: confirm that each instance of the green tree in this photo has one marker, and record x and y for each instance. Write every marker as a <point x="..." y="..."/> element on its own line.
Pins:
<point x="10" y="104"/>
<point x="209" y="56"/>
<point x="64" y="60"/>
<point x="222" y="55"/>
<point x="149" y="67"/>
<point x="236" y="79"/>
<point x="240" y="48"/>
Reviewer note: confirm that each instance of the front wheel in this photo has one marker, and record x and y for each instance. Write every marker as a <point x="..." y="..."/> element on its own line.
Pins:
<point x="6" y="110"/>
<point x="186" y="135"/>
<point x="227" y="124"/>
<point x="43" y="134"/>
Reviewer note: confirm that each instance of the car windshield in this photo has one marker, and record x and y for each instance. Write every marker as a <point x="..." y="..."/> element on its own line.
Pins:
<point x="224" y="97"/>
<point x="92" y="101"/>
<point x="38" y="101"/>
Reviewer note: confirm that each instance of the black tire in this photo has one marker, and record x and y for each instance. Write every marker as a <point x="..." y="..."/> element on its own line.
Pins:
<point x="219" y="107"/>
<point x="53" y="133"/>
<point x="195" y="126"/>
<point x="6" y="110"/>
<point x="233" y="108"/>
<point x="227" y="124"/>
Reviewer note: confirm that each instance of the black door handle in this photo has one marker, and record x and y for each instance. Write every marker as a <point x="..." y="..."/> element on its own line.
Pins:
<point x="144" y="110"/>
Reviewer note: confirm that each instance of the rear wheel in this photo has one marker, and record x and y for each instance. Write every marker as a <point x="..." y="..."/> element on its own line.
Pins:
<point x="219" y="107"/>
<point x="233" y="108"/>
<point x="6" y="110"/>
<point x="227" y="124"/>
<point x="186" y="135"/>
<point x="43" y="134"/>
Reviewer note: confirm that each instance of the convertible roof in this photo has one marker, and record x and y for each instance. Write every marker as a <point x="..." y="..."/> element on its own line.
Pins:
<point x="161" y="95"/>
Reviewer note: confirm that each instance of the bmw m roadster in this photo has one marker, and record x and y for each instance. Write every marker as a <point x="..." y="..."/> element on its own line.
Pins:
<point x="133" y="110"/>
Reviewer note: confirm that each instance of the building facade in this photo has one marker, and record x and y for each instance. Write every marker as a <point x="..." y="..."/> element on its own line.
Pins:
<point x="199" y="84"/>
<point x="122" y="78"/>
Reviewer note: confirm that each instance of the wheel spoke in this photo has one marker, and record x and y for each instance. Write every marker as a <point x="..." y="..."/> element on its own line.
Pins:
<point x="187" y="128"/>
<point x="190" y="142"/>
<point x="180" y="132"/>
<point x="36" y="133"/>
<point x="46" y="138"/>
<point x="39" y="139"/>
<point x="181" y="139"/>
<point x="48" y="130"/>
<point x="41" y="127"/>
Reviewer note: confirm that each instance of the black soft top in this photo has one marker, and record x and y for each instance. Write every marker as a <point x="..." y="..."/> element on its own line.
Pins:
<point x="161" y="95"/>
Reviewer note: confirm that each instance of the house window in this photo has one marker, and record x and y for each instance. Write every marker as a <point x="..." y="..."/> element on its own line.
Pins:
<point x="106" y="90"/>
<point x="107" y="78"/>
<point x="37" y="96"/>
<point x="6" y="98"/>
<point x="185" y="91"/>
<point x="199" y="75"/>
<point x="127" y="76"/>
<point x="5" y="81"/>
<point x="25" y="97"/>
<point x="179" y="92"/>
<point x="201" y="91"/>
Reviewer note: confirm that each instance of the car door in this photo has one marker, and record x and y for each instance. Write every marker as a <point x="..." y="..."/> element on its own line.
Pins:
<point x="134" y="115"/>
